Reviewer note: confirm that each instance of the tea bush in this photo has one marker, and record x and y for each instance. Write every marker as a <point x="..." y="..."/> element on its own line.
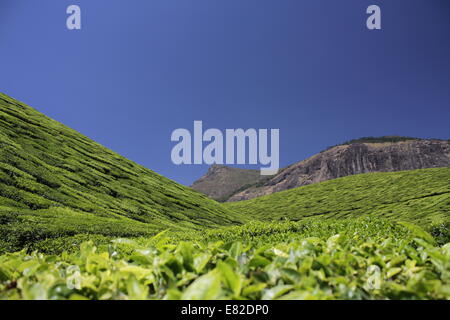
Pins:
<point x="367" y="259"/>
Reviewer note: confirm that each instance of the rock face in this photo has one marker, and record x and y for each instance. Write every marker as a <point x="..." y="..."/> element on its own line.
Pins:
<point x="220" y="182"/>
<point x="345" y="160"/>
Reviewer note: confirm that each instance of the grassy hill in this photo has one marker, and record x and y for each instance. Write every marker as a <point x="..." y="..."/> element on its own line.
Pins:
<point x="421" y="196"/>
<point x="55" y="182"/>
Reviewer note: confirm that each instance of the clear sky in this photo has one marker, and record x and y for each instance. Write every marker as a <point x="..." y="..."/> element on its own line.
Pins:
<point x="139" y="69"/>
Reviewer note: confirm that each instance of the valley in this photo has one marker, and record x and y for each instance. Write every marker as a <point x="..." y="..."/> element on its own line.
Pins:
<point x="79" y="221"/>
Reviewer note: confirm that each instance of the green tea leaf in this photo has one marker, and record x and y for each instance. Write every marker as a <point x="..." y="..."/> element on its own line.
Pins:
<point x="207" y="287"/>
<point x="231" y="278"/>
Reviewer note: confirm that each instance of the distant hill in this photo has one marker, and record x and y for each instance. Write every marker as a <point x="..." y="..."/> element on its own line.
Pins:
<point x="420" y="196"/>
<point x="221" y="182"/>
<point x="55" y="182"/>
<point x="364" y="155"/>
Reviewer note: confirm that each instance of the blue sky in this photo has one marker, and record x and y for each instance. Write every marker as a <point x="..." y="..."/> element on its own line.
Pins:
<point x="140" y="69"/>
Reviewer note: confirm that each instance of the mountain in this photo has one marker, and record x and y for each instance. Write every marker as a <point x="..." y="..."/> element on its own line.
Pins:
<point x="55" y="182"/>
<point x="420" y="196"/>
<point x="365" y="155"/>
<point x="221" y="182"/>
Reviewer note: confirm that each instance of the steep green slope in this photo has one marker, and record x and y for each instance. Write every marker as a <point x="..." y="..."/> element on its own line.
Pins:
<point x="421" y="196"/>
<point x="56" y="182"/>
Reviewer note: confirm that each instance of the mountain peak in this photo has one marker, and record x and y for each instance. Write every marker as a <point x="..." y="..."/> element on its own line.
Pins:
<point x="220" y="182"/>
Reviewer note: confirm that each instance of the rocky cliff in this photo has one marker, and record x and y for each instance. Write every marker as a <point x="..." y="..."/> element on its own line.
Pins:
<point x="221" y="182"/>
<point x="345" y="160"/>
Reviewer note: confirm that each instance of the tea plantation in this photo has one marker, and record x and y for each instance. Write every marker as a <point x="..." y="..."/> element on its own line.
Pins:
<point x="364" y="258"/>
<point x="78" y="221"/>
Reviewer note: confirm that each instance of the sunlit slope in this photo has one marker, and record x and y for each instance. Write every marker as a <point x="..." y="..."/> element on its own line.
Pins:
<point x="56" y="182"/>
<point x="421" y="196"/>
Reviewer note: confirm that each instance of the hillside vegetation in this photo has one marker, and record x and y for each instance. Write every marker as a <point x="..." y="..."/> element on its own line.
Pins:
<point x="384" y="139"/>
<point x="421" y="196"/>
<point x="56" y="182"/>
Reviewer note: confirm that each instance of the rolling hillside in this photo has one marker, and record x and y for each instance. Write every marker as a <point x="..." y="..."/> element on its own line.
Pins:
<point x="421" y="196"/>
<point x="56" y="182"/>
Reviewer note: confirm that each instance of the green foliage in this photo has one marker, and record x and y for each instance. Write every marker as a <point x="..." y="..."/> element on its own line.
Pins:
<point x="441" y="232"/>
<point x="383" y="139"/>
<point x="367" y="259"/>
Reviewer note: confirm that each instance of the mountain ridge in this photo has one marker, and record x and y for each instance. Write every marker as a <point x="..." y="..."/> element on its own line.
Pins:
<point x="364" y="155"/>
<point x="421" y="196"/>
